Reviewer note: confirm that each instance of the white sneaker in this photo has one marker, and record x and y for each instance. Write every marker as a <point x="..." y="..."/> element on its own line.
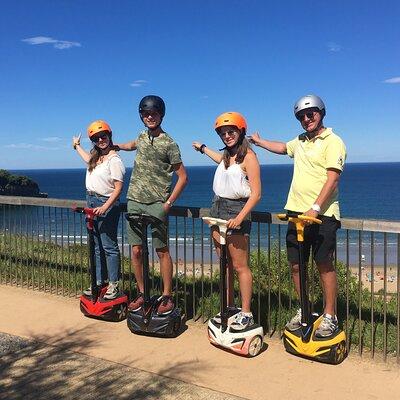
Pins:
<point x="295" y="322"/>
<point x="327" y="327"/>
<point x="112" y="291"/>
<point x="242" y="321"/>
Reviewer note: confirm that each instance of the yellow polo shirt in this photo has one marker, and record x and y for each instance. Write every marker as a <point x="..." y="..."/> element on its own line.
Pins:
<point x="312" y="158"/>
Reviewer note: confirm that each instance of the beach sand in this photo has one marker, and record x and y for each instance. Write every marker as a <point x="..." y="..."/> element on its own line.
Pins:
<point x="378" y="280"/>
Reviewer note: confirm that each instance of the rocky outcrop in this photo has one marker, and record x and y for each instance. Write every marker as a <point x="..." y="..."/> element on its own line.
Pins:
<point x="14" y="185"/>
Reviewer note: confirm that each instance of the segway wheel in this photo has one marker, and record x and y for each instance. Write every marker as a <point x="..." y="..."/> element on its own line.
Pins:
<point x="121" y="312"/>
<point x="339" y="353"/>
<point x="255" y="346"/>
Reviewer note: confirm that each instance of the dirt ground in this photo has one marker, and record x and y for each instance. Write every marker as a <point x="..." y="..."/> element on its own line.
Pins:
<point x="56" y="322"/>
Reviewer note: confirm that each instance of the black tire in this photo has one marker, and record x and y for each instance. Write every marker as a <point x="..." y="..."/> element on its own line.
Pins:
<point x="121" y="312"/>
<point x="339" y="353"/>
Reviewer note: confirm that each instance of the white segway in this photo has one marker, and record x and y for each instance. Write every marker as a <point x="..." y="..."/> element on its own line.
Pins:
<point x="247" y="342"/>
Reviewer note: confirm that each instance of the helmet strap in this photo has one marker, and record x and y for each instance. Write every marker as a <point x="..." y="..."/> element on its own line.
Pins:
<point x="152" y="133"/>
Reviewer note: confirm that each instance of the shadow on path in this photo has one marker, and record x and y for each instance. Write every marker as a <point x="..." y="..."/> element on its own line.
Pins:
<point x="31" y="369"/>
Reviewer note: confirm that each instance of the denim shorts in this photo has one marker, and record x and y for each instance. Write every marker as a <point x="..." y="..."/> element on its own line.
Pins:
<point x="227" y="209"/>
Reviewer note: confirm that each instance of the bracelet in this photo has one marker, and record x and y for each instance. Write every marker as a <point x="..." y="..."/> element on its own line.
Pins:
<point x="201" y="148"/>
<point x="169" y="203"/>
<point x="76" y="144"/>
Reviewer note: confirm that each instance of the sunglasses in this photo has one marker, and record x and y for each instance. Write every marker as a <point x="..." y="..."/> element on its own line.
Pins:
<point x="229" y="133"/>
<point x="146" y="114"/>
<point x="103" y="136"/>
<point x="309" y="115"/>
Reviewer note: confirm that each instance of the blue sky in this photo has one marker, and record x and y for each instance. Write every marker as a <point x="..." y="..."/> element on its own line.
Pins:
<point x="66" y="63"/>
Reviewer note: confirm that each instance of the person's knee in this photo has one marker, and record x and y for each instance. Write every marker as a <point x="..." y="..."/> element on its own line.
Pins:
<point x="110" y="248"/>
<point x="294" y="268"/>
<point x="163" y="254"/>
<point x="325" y="267"/>
<point x="241" y="267"/>
<point x="136" y="252"/>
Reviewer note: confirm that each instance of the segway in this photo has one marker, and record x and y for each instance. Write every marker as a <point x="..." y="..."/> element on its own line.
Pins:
<point x="146" y="320"/>
<point x="303" y="341"/>
<point x="96" y="306"/>
<point x="247" y="342"/>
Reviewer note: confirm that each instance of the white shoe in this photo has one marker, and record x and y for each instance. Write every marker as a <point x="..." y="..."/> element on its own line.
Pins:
<point x="295" y="322"/>
<point x="112" y="291"/>
<point x="242" y="321"/>
<point x="327" y="327"/>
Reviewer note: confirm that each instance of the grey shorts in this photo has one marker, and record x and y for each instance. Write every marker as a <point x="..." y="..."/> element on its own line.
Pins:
<point x="159" y="231"/>
<point x="227" y="209"/>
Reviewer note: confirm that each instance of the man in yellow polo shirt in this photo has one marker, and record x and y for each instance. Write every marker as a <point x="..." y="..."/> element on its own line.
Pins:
<point x="319" y="156"/>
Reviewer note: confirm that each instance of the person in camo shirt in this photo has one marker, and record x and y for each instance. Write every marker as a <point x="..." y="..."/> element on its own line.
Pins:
<point x="157" y="159"/>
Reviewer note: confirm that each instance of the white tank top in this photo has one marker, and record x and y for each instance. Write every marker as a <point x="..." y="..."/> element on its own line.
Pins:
<point x="231" y="183"/>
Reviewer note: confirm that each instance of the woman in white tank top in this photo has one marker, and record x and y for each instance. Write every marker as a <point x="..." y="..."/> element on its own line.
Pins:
<point x="104" y="182"/>
<point x="237" y="188"/>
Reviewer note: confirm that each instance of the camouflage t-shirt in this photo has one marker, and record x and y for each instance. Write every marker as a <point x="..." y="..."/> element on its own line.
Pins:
<point x="151" y="177"/>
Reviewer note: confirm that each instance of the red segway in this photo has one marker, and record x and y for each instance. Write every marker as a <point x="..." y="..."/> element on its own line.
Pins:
<point x="95" y="306"/>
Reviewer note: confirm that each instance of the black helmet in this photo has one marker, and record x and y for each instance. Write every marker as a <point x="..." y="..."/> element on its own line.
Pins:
<point x="152" y="103"/>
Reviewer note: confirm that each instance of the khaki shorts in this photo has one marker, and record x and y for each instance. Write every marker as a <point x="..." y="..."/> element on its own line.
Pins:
<point x="159" y="231"/>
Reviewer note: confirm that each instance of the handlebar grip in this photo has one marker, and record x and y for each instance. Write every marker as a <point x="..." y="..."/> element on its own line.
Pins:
<point x="293" y="215"/>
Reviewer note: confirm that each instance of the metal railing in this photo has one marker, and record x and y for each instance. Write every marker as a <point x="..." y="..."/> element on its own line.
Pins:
<point x="43" y="247"/>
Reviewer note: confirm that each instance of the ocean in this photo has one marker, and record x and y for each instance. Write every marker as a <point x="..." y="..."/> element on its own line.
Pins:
<point x="367" y="190"/>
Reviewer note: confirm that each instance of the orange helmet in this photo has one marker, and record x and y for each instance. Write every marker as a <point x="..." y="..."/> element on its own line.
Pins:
<point x="98" y="126"/>
<point x="232" y="119"/>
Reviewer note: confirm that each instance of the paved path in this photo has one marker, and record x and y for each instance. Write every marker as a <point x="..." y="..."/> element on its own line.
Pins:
<point x="64" y="355"/>
<point x="34" y="370"/>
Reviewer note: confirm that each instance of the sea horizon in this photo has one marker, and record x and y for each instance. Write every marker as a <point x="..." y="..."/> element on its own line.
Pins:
<point x="202" y="165"/>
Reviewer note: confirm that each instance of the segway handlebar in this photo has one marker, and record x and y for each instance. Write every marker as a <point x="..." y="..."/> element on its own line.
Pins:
<point x="89" y="213"/>
<point x="222" y="225"/>
<point x="300" y="221"/>
<point x="292" y="216"/>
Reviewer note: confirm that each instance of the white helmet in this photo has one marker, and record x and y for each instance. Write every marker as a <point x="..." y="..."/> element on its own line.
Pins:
<point x="309" y="101"/>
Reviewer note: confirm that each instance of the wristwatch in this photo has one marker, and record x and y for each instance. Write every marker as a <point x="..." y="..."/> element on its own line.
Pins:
<point x="316" y="208"/>
<point x="169" y="203"/>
